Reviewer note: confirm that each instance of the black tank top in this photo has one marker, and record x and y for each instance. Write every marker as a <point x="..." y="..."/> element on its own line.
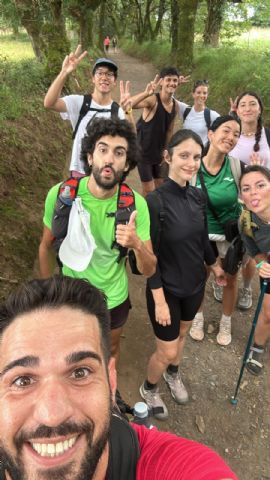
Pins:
<point x="152" y="134"/>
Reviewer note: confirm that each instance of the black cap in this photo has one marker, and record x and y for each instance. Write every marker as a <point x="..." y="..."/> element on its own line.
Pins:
<point x="105" y="62"/>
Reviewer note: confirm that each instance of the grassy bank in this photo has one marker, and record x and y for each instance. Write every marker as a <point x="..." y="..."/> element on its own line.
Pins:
<point x="229" y="69"/>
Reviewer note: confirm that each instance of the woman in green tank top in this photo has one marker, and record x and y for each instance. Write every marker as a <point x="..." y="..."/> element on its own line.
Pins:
<point x="217" y="179"/>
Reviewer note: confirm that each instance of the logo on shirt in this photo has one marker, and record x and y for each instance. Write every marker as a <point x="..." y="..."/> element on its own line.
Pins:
<point x="228" y="179"/>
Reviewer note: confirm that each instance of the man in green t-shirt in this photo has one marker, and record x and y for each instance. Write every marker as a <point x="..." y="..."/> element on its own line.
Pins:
<point x="109" y="152"/>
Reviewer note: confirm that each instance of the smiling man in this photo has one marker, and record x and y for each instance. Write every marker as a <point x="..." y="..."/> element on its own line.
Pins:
<point x="109" y="153"/>
<point x="57" y="387"/>
<point x="79" y="109"/>
<point x="155" y="126"/>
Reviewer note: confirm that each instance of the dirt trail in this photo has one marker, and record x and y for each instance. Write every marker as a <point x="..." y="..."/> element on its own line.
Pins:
<point x="240" y="434"/>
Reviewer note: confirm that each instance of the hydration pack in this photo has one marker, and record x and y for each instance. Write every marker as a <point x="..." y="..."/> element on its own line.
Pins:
<point x="66" y="195"/>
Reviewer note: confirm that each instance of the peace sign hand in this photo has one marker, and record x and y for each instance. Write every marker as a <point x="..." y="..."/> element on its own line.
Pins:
<point x="153" y="85"/>
<point x="182" y="79"/>
<point x="125" y="96"/>
<point x="72" y="60"/>
<point x="233" y="104"/>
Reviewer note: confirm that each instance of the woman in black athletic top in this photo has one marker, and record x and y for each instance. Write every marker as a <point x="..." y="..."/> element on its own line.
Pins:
<point x="180" y="240"/>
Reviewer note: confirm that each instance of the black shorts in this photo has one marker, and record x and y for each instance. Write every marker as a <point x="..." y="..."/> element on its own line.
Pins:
<point x="268" y="285"/>
<point x="119" y="314"/>
<point x="181" y="309"/>
<point x="148" y="172"/>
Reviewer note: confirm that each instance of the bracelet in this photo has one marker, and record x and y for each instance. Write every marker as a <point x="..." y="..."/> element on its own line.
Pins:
<point x="258" y="265"/>
<point x="129" y="111"/>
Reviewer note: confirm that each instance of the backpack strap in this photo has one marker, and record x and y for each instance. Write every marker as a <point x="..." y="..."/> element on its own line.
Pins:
<point x="86" y="107"/>
<point x="236" y="170"/>
<point x="66" y="195"/>
<point x="87" y="100"/>
<point x="186" y="112"/>
<point x="267" y="134"/>
<point x="124" y="450"/>
<point x="193" y="180"/>
<point x="160" y="211"/>
<point x="207" y="117"/>
<point x="114" y="110"/>
<point x="125" y="206"/>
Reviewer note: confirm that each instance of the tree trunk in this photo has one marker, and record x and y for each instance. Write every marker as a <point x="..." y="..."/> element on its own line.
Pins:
<point x="186" y="25"/>
<point x="174" y="26"/>
<point x="161" y="11"/>
<point x="101" y="32"/>
<point x="213" y="22"/>
<point x="29" y="13"/>
<point x="86" y="28"/>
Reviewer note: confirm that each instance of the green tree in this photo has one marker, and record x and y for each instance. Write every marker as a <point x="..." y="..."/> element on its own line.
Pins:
<point x="183" y="52"/>
<point x="213" y="23"/>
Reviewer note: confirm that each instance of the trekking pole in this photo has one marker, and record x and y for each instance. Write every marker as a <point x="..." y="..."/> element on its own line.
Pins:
<point x="250" y="339"/>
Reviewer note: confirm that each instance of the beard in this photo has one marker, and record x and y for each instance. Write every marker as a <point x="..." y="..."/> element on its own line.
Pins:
<point x="104" y="183"/>
<point x="13" y="465"/>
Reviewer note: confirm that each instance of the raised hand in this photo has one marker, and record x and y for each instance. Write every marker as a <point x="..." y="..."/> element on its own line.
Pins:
<point x="233" y="106"/>
<point x="153" y="85"/>
<point x="125" y="96"/>
<point x="126" y="234"/>
<point x="256" y="159"/>
<point x="72" y="60"/>
<point x="182" y="79"/>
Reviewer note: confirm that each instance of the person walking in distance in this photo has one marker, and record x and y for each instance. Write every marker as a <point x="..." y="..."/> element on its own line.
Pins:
<point x="79" y="110"/>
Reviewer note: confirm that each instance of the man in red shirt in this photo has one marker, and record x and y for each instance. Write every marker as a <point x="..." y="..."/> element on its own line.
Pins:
<point x="57" y="387"/>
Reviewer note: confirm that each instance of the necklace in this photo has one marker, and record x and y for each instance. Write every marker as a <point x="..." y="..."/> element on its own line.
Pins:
<point x="251" y="134"/>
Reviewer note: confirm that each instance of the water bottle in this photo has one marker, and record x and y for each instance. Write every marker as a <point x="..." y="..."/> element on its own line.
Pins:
<point x="65" y="196"/>
<point x="141" y="415"/>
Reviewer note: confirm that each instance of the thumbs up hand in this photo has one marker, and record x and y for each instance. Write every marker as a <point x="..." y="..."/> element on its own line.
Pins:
<point x="126" y="234"/>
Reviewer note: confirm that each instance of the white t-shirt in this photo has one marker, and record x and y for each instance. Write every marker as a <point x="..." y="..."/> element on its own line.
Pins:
<point x="195" y="120"/>
<point x="73" y="105"/>
<point x="244" y="148"/>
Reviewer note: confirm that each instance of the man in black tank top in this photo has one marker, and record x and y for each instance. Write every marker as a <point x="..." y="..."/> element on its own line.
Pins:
<point x="155" y="126"/>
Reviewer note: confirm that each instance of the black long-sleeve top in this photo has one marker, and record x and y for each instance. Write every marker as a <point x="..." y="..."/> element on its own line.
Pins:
<point x="183" y="246"/>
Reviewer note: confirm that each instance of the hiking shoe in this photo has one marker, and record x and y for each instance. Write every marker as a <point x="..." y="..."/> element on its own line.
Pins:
<point x="218" y="292"/>
<point x="224" y="336"/>
<point x="196" y="332"/>
<point x="245" y="298"/>
<point x="254" y="363"/>
<point x="176" y="386"/>
<point x="154" y="401"/>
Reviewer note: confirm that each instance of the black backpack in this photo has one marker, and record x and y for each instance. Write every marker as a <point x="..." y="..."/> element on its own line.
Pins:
<point x="86" y="107"/>
<point x="206" y="112"/>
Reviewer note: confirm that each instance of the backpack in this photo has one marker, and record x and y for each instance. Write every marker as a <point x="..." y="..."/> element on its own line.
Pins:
<point x="86" y="107"/>
<point x="206" y="112"/>
<point x="66" y="195"/>
<point x="267" y="134"/>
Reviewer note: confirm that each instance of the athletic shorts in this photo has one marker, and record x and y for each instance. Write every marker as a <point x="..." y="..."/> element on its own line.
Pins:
<point x="268" y="285"/>
<point x="181" y="309"/>
<point x="119" y="314"/>
<point x="148" y="172"/>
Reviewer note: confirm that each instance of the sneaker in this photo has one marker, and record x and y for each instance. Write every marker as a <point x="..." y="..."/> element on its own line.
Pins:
<point x="245" y="298"/>
<point x="196" y="332"/>
<point x="176" y="386"/>
<point x="254" y="363"/>
<point x="154" y="401"/>
<point x="224" y="336"/>
<point x="218" y="292"/>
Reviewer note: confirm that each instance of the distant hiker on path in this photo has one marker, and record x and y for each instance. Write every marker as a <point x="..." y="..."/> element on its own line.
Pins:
<point x="79" y="110"/>
<point x="155" y="127"/>
<point x="106" y="44"/>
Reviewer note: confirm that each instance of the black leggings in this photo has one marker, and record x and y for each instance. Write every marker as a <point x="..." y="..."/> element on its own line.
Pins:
<point x="181" y="309"/>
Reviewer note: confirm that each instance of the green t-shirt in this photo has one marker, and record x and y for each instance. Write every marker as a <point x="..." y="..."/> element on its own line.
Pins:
<point x="103" y="271"/>
<point x="223" y="194"/>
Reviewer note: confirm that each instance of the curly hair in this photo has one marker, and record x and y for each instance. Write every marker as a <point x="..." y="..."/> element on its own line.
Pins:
<point x="258" y="133"/>
<point x="101" y="127"/>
